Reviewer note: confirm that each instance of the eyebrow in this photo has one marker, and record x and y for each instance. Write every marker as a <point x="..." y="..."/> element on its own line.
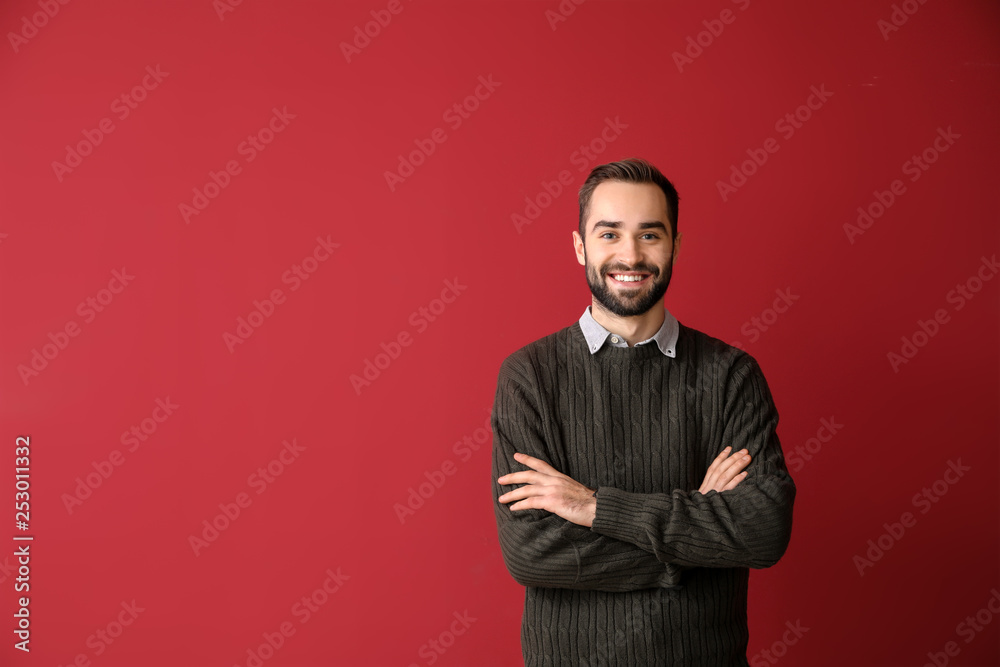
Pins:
<point x="616" y="224"/>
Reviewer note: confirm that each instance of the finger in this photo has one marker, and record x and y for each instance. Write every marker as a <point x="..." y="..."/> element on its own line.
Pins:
<point x="713" y="481"/>
<point x="721" y="473"/>
<point x="709" y="481"/>
<point x="718" y="460"/>
<point x="535" y="463"/>
<point x="533" y="503"/>
<point x="717" y="468"/>
<point x="722" y="455"/>
<point x="522" y="477"/>
<point x="735" y="481"/>
<point x="520" y="493"/>
<point x="730" y="469"/>
<point x="734" y="463"/>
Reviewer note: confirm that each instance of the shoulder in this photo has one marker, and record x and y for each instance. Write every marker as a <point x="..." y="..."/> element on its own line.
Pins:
<point x="731" y="369"/>
<point x="528" y="360"/>
<point x="698" y="344"/>
<point x="711" y="353"/>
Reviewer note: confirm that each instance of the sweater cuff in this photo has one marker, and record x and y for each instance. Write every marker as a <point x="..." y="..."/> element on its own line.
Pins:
<point x="619" y="515"/>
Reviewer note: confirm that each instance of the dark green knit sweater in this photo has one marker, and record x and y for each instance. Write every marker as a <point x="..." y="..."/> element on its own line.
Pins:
<point x="661" y="577"/>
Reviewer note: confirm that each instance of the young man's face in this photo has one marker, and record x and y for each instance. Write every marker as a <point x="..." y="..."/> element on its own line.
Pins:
<point x="628" y="251"/>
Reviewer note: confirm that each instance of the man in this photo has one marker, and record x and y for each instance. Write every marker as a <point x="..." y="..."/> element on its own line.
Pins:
<point x="637" y="470"/>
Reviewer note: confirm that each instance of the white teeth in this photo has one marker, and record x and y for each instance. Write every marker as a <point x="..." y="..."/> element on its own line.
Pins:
<point x="627" y="279"/>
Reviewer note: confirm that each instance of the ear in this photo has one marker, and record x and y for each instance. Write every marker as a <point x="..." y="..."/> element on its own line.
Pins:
<point x="578" y="246"/>
<point x="677" y="246"/>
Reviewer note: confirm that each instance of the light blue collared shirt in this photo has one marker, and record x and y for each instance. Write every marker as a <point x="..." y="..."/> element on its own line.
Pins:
<point x="596" y="335"/>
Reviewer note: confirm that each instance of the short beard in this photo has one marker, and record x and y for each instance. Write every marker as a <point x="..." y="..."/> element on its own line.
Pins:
<point x="630" y="307"/>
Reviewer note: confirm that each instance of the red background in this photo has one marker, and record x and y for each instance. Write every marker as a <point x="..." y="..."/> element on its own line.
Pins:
<point x="323" y="175"/>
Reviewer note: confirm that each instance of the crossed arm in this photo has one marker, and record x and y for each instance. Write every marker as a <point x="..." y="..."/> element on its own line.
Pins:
<point x="548" y="489"/>
<point x="554" y="533"/>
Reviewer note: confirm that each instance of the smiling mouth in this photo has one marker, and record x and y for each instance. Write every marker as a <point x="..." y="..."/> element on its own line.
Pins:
<point x="630" y="279"/>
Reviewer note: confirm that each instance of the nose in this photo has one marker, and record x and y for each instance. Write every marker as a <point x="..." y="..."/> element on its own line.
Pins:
<point x="629" y="252"/>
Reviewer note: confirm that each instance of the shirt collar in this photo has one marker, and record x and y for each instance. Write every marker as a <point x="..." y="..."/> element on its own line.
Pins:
<point x="597" y="335"/>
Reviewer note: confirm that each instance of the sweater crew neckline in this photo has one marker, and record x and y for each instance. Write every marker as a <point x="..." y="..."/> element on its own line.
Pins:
<point x="648" y="350"/>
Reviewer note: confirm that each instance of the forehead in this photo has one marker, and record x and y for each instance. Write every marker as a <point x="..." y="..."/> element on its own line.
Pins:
<point x="628" y="203"/>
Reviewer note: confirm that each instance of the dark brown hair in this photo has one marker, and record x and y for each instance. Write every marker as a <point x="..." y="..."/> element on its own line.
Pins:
<point x="629" y="170"/>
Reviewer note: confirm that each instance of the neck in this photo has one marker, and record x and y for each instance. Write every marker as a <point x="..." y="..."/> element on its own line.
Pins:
<point x="633" y="329"/>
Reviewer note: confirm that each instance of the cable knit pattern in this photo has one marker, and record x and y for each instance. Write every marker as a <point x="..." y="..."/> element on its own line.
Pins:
<point x="661" y="577"/>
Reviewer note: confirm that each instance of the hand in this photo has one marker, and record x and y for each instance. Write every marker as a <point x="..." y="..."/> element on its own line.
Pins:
<point x="724" y="473"/>
<point x="548" y="489"/>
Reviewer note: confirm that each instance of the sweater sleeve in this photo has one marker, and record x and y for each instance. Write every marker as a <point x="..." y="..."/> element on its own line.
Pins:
<point x="542" y="549"/>
<point x="748" y="526"/>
